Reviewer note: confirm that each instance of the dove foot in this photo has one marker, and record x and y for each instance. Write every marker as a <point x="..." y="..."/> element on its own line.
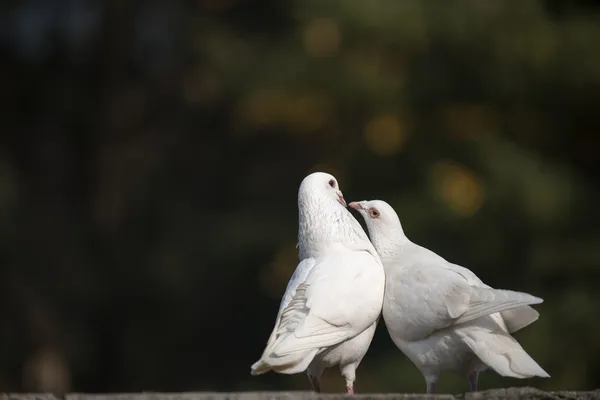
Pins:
<point x="472" y="379"/>
<point x="350" y="390"/>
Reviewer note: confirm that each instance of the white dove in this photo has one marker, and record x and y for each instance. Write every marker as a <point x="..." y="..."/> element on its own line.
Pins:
<point x="440" y="315"/>
<point x="332" y="303"/>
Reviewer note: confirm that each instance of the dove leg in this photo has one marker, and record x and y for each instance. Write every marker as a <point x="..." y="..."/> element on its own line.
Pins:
<point x="349" y="374"/>
<point x="315" y="383"/>
<point x="431" y="380"/>
<point x="472" y="379"/>
<point x="314" y="372"/>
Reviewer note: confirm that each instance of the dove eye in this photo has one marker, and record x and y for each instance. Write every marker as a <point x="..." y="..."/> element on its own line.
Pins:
<point x="373" y="213"/>
<point x="332" y="183"/>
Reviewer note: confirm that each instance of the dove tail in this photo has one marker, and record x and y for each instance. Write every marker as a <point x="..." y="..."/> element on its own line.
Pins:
<point x="518" y="318"/>
<point x="288" y="364"/>
<point x="259" y="368"/>
<point x="502" y="353"/>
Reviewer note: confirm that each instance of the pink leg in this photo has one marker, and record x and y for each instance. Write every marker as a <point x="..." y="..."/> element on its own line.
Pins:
<point x="351" y="390"/>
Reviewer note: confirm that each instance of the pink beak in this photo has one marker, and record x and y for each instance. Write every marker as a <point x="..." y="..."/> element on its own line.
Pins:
<point x="355" y="205"/>
<point x="341" y="199"/>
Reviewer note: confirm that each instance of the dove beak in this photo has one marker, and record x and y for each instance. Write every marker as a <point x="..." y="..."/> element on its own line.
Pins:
<point x="341" y="198"/>
<point x="356" y="206"/>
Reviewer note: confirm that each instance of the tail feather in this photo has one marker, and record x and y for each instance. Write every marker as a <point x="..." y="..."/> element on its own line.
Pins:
<point x="488" y="301"/>
<point x="288" y="364"/>
<point x="518" y="318"/>
<point x="260" y="367"/>
<point x="501" y="352"/>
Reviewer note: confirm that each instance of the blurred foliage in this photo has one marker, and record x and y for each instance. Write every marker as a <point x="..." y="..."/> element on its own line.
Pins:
<point x="150" y="154"/>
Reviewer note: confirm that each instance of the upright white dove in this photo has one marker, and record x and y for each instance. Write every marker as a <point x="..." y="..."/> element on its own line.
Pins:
<point x="441" y="315"/>
<point x="332" y="303"/>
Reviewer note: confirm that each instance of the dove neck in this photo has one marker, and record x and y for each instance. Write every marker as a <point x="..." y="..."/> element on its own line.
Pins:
<point x="321" y="224"/>
<point x="387" y="243"/>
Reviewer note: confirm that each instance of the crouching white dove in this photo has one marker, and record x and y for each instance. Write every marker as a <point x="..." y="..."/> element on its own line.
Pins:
<point x="332" y="303"/>
<point x="441" y="315"/>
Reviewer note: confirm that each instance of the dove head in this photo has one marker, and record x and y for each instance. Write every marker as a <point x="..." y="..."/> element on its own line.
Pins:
<point x="383" y="224"/>
<point x="321" y="185"/>
<point x="323" y="217"/>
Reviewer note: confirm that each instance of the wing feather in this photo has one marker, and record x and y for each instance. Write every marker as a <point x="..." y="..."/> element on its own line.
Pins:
<point x="515" y="318"/>
<point x="441" y="297"/>
<point x="340" y="297"/>
<point x="300" y="274"/>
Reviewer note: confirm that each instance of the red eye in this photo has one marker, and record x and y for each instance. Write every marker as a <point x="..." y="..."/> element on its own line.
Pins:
<point x="374" y="213"/>
<point x="332" y="183"/>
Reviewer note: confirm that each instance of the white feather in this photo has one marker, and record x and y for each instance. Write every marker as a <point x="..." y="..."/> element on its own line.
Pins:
<point x="441" y="315"/>
<point x="331" y="305"/>
<point x="491" y="342"/>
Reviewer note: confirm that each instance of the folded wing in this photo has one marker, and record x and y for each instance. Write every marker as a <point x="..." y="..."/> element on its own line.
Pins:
<point x="515" y="318"/>
<point x="324" y="310"/>
<point x="300" y="274"/>
<point x="441" y="297"/>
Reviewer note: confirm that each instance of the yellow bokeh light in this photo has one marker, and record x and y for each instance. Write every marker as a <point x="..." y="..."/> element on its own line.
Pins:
<point x="384" y="135"/>
<point x="322" y="37"/>
<point x="458" y="187"/>
<point x="297" y="113"/>
<point x="262" y="107"/>
<point x="305" y="113"/>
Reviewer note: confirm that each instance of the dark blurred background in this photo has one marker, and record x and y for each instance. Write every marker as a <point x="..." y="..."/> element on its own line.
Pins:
<point x="151" y="152"/>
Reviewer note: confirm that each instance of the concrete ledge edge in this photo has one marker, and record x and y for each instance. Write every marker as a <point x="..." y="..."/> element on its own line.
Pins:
<point x="522" y="393"/>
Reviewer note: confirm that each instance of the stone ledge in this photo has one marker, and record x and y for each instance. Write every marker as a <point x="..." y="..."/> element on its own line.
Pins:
<point x="521" y="393"/>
